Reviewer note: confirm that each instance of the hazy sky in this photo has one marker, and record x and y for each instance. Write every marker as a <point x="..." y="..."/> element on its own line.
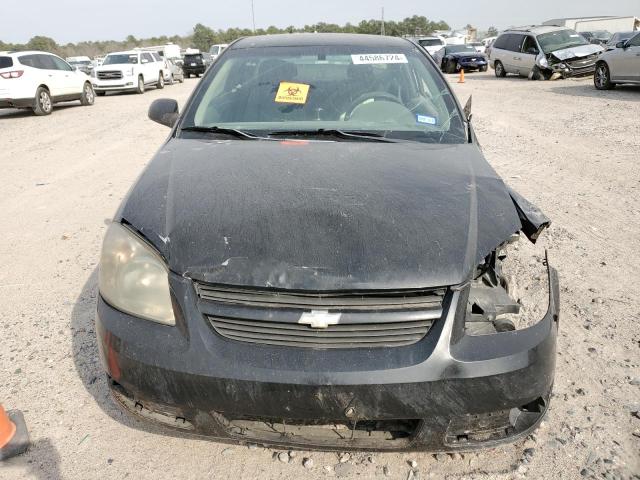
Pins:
<point x="74" y="20"/>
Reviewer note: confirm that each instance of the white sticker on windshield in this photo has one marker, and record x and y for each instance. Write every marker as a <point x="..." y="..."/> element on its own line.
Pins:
<point x="426" y="119"/>
<point x="378" y="58"/>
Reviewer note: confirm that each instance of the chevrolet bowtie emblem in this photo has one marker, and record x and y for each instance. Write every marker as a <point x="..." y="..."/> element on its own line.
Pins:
<point x="319" y="319"/>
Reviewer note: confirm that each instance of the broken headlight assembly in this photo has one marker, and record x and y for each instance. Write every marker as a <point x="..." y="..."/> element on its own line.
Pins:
<point x="509" y="290"/>
<point x="133" y="276"/>
<point x="541" y="60"/>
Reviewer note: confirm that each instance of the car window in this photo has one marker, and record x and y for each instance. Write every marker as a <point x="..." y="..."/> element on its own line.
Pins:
<point x="61" y="64"/>
<point x="635" y="41"/>
<point x="265" y="89"/>
<point x="156" y="57"/>
<point x="193" y="58"/>
<point x="430" y="42"/>
<point x="121" y="58"/>
<point x="214" y="50"/>
<point x="501" y="42"/>
<point x="529" y="45"/>
<point x="460" y="48"/>
<point x="6" y="62"/>
<point x="147" y="56"/>
<point x="514" y="42"/>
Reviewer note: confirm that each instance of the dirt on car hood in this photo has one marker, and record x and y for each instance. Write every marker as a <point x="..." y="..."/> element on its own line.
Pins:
<point x="321" y="215"/>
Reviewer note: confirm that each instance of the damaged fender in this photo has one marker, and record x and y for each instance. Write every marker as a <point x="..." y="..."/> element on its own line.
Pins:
<point x="534" y="222"/>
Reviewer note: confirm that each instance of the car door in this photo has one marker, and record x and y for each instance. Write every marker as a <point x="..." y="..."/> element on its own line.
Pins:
<point x="148" y="67"/>
<point x="53" y="78"/>
<point x="528" y="53"/>
<point x="630" y="65"/>
<point x="71" y="82"/>
<point x="513" y="58"/>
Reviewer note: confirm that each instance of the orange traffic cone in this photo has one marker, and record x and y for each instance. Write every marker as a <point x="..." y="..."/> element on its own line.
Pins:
<point x="14" y="438"/>
<point x="461" y="80"/>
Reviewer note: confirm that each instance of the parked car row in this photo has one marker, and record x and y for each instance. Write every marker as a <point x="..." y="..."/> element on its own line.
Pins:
<point x="38" y="80"/>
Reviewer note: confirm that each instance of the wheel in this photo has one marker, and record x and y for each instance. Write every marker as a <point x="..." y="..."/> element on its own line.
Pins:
<point x="160" y="84"/>
<point x="101" y="94"/>
<point x="140" y="88"/>
<point x="181" y="79"/>
<point x="483" y="68"/>
<point x="42" y="103"/>
<point x="171" y="80"/>
<point x="88" y="95"/>
<point x="449" y="67"/>
<point x="602" y="77"/>
<point x="499" y="70"/>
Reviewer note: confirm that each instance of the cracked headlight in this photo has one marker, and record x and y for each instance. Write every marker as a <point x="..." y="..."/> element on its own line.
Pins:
<point x="133" y="277"/>
<point x="542" y="61"/>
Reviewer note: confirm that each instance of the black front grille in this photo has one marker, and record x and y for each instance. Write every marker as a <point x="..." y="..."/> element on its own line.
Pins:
<point x="321" y="321"/>
<point x="110" y="75"/>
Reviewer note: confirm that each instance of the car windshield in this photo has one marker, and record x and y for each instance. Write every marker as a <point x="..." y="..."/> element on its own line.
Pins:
<point x="460" y="48"/>
<point x="80" y="62"/>
<point x="193" y="58"/>
<point x="430" y="42"/>
<point x="601" y="35"/>
<point x="120" y="58"/>
<point x="559" y="40"/>
<point x="264" y="90"/>
<point x="621" y="36"/>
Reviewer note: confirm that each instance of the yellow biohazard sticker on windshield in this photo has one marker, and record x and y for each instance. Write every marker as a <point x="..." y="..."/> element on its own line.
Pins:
<point x="292" y="93"/>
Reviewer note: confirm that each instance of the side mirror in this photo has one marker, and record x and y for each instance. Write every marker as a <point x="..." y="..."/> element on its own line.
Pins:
<point x="164" y="111"/>
<point x="621" y="44"/>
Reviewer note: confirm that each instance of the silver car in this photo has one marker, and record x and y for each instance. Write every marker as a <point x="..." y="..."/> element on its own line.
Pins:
<point x="619" y="65"/>
<point x="175" y="70"/>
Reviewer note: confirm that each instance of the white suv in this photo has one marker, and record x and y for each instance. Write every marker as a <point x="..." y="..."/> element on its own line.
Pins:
<point x="543" y="52"/>
<point x="132" y="70"/>
<point x="38" y="80"/>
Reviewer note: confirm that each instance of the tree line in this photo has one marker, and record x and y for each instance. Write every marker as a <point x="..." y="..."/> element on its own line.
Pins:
<point x="203" y="37"/>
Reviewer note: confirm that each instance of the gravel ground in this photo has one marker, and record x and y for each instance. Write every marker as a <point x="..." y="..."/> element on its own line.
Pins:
<point x="569" y="148"/>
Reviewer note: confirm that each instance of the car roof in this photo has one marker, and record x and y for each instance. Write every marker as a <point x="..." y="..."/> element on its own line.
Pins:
<point x="536" y="29"/>
<point x="321" y="39"/>
<point x="126" y="52"/>
<point x="27" y="52"/>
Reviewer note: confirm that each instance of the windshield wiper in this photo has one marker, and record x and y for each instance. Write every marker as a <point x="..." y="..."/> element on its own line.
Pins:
<point x="348" y="135"/>
<point x="223" y="131"/>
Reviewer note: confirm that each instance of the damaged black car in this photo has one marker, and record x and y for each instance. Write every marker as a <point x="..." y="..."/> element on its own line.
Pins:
<point x="319" y="257"/>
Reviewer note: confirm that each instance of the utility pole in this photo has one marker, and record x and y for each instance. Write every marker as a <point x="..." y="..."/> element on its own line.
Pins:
<point x="253" y="16"/>
<point x="382" y="32"/>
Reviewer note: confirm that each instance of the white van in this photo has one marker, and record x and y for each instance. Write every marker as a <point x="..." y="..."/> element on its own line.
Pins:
<point x="543" y="52"/>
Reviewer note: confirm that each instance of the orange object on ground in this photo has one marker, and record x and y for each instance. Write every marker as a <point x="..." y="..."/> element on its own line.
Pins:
<point x="14" y="438"/>
<point x="461" y="76"/>
<point x="7" y="428"/>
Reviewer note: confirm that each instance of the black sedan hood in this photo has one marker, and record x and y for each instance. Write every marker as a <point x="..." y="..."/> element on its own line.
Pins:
<point x="321" y="216"/>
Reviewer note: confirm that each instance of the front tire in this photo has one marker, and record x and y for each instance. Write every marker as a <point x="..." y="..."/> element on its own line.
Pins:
<point x="483" y="68"/>
<point x="88" y="95"/>
<point x="449" y="67"/>
<point x="171" y="80"/>
<point x="140" y="87"/>
<point x="499" y="69"/>
<point x="602" y="77"/>
<point x="43" y="105"/>
<point x="160" y="84"/>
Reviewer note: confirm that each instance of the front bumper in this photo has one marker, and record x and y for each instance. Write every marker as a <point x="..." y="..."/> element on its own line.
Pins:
<point x="119" y="85"/>
<point x="477" y="65"/>
<point x="448" y="392"/>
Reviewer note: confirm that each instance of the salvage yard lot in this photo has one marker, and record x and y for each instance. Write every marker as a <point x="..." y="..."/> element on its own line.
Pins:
<point x="572" y="150"/>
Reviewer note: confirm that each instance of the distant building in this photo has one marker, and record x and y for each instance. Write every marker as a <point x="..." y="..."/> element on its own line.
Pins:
<point x="587" y="24"/>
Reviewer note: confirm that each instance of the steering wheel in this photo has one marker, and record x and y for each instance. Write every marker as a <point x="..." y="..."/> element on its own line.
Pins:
<point x="370" y="96"/>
